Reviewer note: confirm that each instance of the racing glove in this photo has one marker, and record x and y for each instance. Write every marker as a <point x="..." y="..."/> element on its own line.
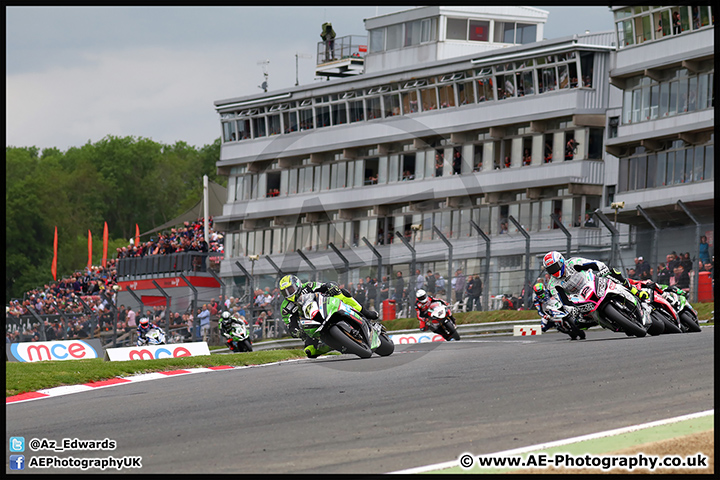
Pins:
<point x="369" y="314"/>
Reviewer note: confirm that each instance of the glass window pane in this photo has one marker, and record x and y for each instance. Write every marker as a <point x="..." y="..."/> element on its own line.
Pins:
<point x="394" y="37"/>
<point x="339" y="114"/>
<point x="679" y="175"/>
<point x="692" y="94"/>
<point x="672" y="110"/>
<point x="259" y="126"/>
<point x="683" y="95"/>
<point x="413" y="30"/>
<point x="409" y="102"/>
<point x="377" y="40"/>
<point x="447" y="96"/>
<point x="429" y="99"/>
<point x="702" y="92"/>
<point x="322" y="116"/>
<point x="466" y="93"/>
<point x="392" y="105"/>
<point x="456" y="28"/>
<point x="485" y="89"/>
<point x="357" y="112"/>
<point x="661" y="169"/>
<point x="549" y="81"/>
<point x="479" y="31"/>
<point x="373" y="108"/>
<point x="664" y="100"/>
<point x="699" y="164"/>
<point x="306" y="119"/>
<point x="708" y="173"/>
<point x="526" y="33"/>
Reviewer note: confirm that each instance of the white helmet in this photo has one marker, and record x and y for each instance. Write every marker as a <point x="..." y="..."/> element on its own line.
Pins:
<point x="422" y="297"/>
<point x="225" y="315"/>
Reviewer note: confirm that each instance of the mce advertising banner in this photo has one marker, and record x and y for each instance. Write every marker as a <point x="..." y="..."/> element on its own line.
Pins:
<point x="55" y="350"/>
<point x="151" y="352"/>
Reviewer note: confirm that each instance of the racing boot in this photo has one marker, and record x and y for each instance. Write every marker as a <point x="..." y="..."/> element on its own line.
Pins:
<point x="313" y="352"/>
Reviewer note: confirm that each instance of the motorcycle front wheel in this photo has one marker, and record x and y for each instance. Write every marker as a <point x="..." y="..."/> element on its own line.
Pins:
<point x="343" y="341"/>
<point x="657" y="326"/>
<point x="689" y="321"/>
<point x="629" y="326"/>
<point x="669" y="323"/>
<point x="450" y="332"/>
<point x="387" y="347"/>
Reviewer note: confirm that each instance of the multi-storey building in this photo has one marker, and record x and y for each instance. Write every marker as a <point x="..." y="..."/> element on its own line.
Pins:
<point x="660" y="140"/>
<point x="466" y="128"/>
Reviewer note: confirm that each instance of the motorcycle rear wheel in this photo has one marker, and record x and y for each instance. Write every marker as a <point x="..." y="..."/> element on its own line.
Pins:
<point x="344" y="342"/>
<point x="450" y="332"/>
<point x="631" y="327"/>
<point x="657" y="326"/>
<point x="689" y="321"/>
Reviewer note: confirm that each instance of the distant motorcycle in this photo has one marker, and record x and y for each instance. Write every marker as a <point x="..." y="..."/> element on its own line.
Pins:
<point x="686" y="313"/>
<point x="565" y="324"/>
<point x="154" y="336"/>
<point x="238" y="339"/>
<point x="441" y="321"/>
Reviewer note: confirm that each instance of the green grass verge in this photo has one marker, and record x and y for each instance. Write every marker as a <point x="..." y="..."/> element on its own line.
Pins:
<point x="29" y="377"/>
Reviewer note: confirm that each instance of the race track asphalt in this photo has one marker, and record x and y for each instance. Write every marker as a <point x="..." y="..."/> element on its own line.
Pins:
<point x="425" y="404"/>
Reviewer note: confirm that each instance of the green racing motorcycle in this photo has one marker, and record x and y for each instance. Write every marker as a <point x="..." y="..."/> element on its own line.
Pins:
<point x="342" y="328"/>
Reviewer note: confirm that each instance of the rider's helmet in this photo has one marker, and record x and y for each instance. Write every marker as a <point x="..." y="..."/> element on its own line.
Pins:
<point x="422" y="298"/>
<point x="289" y="286"/>
<point x="225" y="315"/>
<point x="144" y="323"/>
<point x="554" y="263"/>
<point x="541" y="292"/>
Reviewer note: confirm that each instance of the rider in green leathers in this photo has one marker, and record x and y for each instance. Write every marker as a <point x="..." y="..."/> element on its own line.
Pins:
<point x="292" y="289"/>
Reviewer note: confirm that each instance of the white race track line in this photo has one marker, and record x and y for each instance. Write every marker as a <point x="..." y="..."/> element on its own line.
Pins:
<point x="558" y="443"/>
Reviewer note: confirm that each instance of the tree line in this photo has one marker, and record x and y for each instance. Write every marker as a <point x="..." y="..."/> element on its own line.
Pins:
<point x="119" y="180"/>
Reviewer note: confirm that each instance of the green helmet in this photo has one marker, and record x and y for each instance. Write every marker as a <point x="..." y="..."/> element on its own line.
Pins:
<point x="289" y="286"/>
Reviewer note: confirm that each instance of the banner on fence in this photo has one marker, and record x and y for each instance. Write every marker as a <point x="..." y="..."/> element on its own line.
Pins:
<point x="152" y="352"/>
<point x="56" y="350"/>
<point x="405" y="338"/>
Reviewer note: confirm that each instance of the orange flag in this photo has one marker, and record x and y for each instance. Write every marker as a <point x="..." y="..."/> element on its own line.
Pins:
<point x="53" y="269"/>
<point x="89" y="265"/>
<point x="137" y="234"/>
<point x="105" y="245"/>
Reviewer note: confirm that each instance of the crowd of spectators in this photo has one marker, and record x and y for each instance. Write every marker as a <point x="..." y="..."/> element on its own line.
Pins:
<point x="188" y="238"/>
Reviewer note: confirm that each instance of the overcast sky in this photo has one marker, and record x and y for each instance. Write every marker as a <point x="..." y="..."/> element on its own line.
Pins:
<point x="77" y="74"/>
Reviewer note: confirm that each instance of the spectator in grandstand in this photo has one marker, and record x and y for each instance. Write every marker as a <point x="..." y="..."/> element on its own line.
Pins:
<point x="704" y="254"/>
<point x="204" y="317"/>
<point x="474" y="291"/>
<point x="682" y="279"/>
<point x="399" y="292"/>
<point x="642" y="269"/>
<point x="663" y="274"/>
<point x="459" y="285"/>
<point x="430" y="283"/>
<point x="419" y="280"/>
<point x="384" y="289"/>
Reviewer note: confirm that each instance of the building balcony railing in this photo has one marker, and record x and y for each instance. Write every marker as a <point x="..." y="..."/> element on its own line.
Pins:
<point x="342" y="48"/>
<point x="173" y="264"/>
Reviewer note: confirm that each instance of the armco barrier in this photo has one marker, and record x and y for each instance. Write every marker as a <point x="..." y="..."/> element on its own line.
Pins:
<point x="468" y="330"/>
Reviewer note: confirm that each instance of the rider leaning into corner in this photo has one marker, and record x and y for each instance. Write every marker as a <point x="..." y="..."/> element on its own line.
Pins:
<point x="227" y="320"/>
<point x="144" y="326"/>
<point x="546" y="304"/>
<point x="292" y="289"/>
<point x="561" y="270"/>
<point x="423" y="303"/>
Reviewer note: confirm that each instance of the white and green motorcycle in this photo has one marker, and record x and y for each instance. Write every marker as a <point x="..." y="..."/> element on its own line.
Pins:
<point x="685" y="312"/>
<point x="342" y="328"/>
